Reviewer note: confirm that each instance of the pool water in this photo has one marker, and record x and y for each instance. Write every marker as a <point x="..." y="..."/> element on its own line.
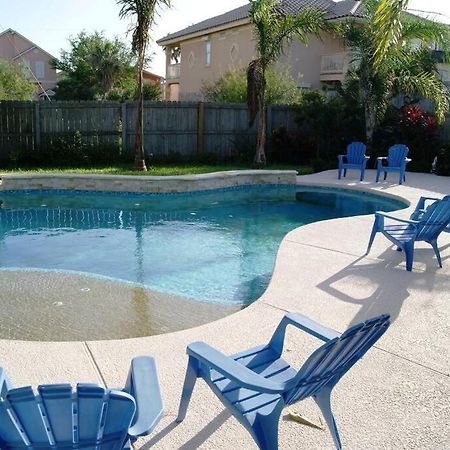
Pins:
<point x="216" y="246"/>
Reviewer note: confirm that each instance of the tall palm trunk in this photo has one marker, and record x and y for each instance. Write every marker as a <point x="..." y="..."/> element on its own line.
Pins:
<point x="370" y="117"/>
<point x="260" y="156"/>
<point x="139" y="152"/>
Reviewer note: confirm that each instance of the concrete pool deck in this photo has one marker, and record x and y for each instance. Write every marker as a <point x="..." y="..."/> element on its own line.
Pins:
<point x="396" y="397"/>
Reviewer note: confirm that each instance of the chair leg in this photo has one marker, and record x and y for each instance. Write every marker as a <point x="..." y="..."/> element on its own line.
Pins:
<point x="265" y="430"/>
<point x="362" y="175"/>
<point x="378" y="175"/>
<point x="409" y="255"/>
<point x="188" y="387"/>
<point x="345" y="173"/>
<point x="323" y="400"/>
<point x="339" y="173"/>
<point x="385" y="175"/>
<point x="400" y="181"/>
<point x="437" y="253"/>
<point x="372" y="236"/>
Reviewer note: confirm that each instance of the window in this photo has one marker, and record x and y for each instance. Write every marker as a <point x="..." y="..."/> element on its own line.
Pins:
<point x="207" y="53"/>
<point x="40" y="70"/>
<point x="26" y="68"/>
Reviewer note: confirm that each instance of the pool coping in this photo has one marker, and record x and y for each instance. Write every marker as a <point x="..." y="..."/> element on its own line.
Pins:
<point x="306" y="279"/>
<point x="145" y="184"/>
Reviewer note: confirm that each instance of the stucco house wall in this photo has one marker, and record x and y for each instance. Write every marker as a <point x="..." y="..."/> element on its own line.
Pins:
<point x="34" y="60"/>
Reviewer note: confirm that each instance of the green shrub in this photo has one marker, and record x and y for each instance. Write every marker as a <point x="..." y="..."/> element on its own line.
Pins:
<point x="65" y="151"/>
<point x="292" y="148"/>
<point x="231" y="87"/>
<point x="243" y="149"/>
<point x="443" y="161"/>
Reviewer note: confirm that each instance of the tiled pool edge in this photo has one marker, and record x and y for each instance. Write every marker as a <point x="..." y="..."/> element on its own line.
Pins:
<point x="145" y="184"/>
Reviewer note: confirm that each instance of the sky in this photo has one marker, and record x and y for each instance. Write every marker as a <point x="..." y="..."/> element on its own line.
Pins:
<point x="49" y="23"/>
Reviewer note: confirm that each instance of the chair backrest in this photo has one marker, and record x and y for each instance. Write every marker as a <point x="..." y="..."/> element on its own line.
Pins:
<point x="397" y="155"/>
<point x="356" y="152"/>
<point x="58" y="418"/>
<point x="434" y="220"/>
<point x="331" y="361"/>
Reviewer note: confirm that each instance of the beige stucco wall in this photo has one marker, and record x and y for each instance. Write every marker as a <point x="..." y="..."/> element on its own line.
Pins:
<point x="305" y="60"/>
<point x="12" y="44"/>
<point x="230" y="49"/>
<point x="235" y="48"/>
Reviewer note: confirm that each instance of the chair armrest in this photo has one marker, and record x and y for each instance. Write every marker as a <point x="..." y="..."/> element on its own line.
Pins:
<point x="143" y="384"/>
<point x="341" y="157"/>
<point x="380" y="158"/>
<point x="5" y="384"/>
<point x="422" y="200"/>
<point x="309" y="326"/>
<point x="231" y="369"/>
<point x="366" y="157"/>
<point x="388" y="216"/>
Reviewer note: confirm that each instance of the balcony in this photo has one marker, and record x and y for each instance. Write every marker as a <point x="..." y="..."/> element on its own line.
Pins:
<point x="334" y="67"/>
<point x="173" y="71"/>
<point x="333" y="64"/>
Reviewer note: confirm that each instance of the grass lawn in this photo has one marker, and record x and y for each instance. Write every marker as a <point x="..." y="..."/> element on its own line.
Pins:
<point x="157" y="170"/>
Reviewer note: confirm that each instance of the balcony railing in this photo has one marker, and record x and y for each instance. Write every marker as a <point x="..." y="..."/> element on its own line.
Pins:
<point x="334" y="64"/>
<point x="173" y="71"/>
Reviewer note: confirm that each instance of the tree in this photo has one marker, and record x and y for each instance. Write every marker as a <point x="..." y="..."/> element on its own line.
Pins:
<point x="13" y="83"/>
<point x="391" y="53"/>
<point x="93" y="67"/>
<point x="231" y="87"/>
<point x="143" y="12"/>
<point x="273" y="29"/>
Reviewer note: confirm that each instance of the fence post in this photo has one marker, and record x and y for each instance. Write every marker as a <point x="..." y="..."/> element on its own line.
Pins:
<point x="124" y="127"/>
<point x="37" y="128"/>
<point x="200" y="127"/>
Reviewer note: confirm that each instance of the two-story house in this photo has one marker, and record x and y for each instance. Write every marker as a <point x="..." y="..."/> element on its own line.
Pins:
<point x="210" y="48"/>
<point x="35" y="61"/>
<point x="204" y="51"/>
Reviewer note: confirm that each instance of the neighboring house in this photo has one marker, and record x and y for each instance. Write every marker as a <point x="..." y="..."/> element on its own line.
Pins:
<point x="208" y="49"/>
<point x="152" y="78"/>
<point x="34" y="60"/>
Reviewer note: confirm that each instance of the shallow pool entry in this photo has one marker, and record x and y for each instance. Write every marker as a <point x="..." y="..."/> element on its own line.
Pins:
<point x="215" y="247"/>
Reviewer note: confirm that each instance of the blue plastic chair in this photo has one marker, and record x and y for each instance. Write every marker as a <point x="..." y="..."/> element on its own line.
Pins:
<point x="257" y="384"/>
<point x="354" y="159"/>
<point x="405" y="233"/>
<point x="421" y="209"/>
<point x="395" y="162"/>
<point x="90" y="417"/>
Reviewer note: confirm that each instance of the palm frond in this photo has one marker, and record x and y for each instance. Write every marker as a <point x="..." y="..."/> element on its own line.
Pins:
<point x="428" y="86"/>
<point x="387" y="26"/>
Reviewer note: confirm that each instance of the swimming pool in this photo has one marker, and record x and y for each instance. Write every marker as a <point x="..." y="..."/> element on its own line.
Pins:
<point x="213" y="246"/>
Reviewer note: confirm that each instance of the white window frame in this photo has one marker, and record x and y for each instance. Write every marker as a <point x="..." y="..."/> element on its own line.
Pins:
<point x="40" y="70"/>
<point x="207" y="52"/>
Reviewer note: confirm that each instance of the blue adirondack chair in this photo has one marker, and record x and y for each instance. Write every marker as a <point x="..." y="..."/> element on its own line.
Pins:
<point x="405" y="232"/>
<point x="421" y="209"/>
<point x="354" y="159"/>
<point x="90" y="417"/>
<point x="257" y="384"/>
<point x="395" y="162"/>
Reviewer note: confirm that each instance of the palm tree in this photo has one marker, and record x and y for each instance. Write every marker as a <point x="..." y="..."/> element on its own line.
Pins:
<point x="143" y="11"/>
<point x="391" y="55"/>
<point x="273" y="29"/>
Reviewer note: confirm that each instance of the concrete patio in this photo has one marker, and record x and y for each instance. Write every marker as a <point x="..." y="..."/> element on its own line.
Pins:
<point x="396" y="397"/>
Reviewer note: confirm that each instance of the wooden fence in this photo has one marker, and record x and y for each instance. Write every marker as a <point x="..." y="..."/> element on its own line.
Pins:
<point x="186" y="128"/>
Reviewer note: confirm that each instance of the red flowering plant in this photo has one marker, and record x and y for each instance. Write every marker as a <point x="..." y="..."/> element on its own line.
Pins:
<point x="413" y="116"/>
